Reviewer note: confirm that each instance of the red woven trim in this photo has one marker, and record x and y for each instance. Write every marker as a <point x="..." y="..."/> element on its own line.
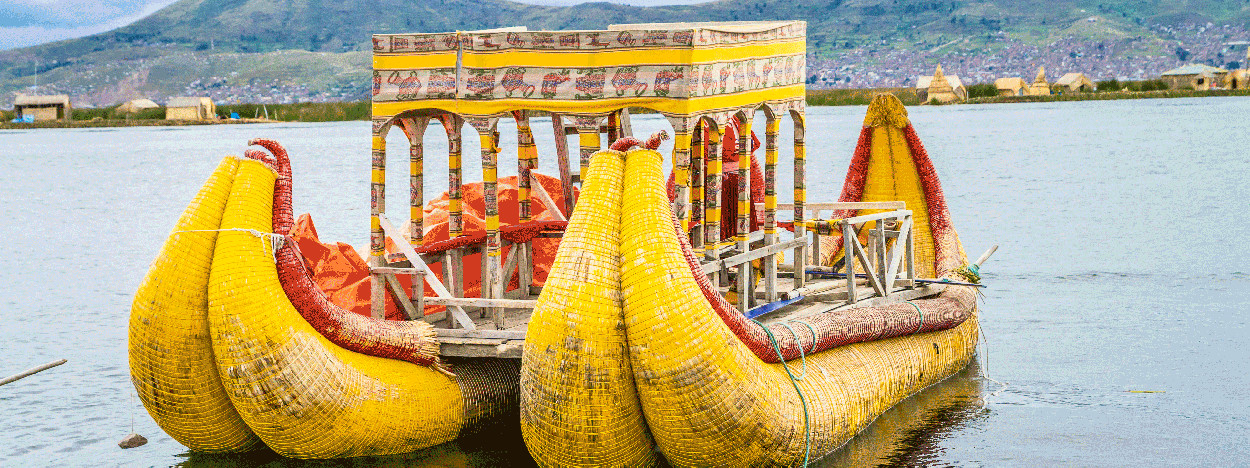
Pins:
<point x="833" y="329"/>
<point x="947" y="255"/>
<point x="856" y="179"/>
<point x="407" y="341"/>
<point x="515" y="233"/>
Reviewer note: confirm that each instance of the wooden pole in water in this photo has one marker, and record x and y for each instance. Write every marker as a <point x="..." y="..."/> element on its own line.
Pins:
<point x="986" y="256"/>
<point x="31" y="372"/>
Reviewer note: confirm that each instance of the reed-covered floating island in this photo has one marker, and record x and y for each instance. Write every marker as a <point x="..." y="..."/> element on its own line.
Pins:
<point x="621" y="317"/>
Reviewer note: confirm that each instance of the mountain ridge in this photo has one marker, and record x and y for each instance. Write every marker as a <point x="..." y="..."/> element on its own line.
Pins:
<point x="206" y="36"/>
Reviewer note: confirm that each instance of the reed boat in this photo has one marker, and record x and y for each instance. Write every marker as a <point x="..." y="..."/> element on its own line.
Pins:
<point x="621" y="319"/>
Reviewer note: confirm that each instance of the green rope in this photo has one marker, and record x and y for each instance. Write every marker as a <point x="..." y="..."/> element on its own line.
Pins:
<point x="921" y="313"/>
<point x="807" y="424"/>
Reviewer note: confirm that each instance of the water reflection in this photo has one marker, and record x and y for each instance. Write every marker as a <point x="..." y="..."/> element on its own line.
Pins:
<point x="908" y="434"/>
<point x="905" y="435"/>
<point x="496" y="446"/>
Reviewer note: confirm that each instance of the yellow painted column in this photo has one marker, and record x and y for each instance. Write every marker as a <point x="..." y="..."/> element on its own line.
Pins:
<point x="800" y="197"/>
<point x="711" y="231"/>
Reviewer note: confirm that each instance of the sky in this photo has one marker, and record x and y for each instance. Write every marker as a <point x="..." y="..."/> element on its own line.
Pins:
<point x="30" y="22"/>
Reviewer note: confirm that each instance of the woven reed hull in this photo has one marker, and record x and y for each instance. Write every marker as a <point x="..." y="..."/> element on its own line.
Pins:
<point x="171" y="357"/>
<point x="578" y="403"/>
<point x="304" y="396"/>
<point x="708" y="400"/>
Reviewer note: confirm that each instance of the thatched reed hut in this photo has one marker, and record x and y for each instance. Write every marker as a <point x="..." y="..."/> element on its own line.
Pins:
<point x="49" y="107"/>
<point x="190" y="108"/>
<point x="1011" y="86"/>
<point x="1195" y="76"/>
<point x="1040" y="86"/>
<point x="137" y="105"/>
<point x="1073" y="83"/>
<point x="941" y="87"/>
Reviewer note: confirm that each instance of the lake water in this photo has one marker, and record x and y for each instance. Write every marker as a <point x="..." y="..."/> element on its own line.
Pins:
<point x="1122" y="269"/>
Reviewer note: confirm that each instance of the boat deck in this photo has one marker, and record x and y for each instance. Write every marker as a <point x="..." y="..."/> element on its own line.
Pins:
<point x="490" y="341"/>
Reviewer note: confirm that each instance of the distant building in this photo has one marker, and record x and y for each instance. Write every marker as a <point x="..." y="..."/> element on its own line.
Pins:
<point x="51" y="107"/>
<point x="1040" y="86"/>
<point x="1195" y="76"/>
<point x="190" y="108"/>
<point x="1238" y="79"/>
<point x="136" y="105"/>
<point x="1073" y="83"/>
<point x="1011" y="86"/>
<point x="941" y="87"/>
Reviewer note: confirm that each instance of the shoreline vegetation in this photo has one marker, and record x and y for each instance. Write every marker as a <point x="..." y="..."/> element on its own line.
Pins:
<point x="360" y="110"/>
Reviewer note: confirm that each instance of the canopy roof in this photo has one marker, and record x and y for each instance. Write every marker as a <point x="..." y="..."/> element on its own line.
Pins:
<point x="674" y="68"/>
<point x="25" y="100"/>
<point x="1194" y="69"/>
<point x="187" y="101"/>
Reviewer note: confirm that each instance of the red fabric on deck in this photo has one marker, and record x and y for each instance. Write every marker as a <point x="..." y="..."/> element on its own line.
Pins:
<point x="729" y="184"/>
<point x="343" y="275"/>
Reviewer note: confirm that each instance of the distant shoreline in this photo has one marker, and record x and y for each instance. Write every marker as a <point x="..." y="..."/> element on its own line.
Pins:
<point x="358" y="111"/>
<point x="107" y="123"/>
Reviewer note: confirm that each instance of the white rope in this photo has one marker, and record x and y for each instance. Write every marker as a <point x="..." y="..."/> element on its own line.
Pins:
<point x="269" y="241"/>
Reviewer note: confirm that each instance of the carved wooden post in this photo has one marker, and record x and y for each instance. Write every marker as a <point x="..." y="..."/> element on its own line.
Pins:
<point x="562" y="160"/>
<point x="453" y="259"/>
<point x="377" y="206"/>
<point x="527" y="161"/>
<point x="681" y="170"/>
<point x="414" y="128"/>
<point x="743" y="226"/>
<point x="800" y="198"/>
<point x="492" y="276"/>
<point x="697" y="158"/>
<point x="770" y="203"/>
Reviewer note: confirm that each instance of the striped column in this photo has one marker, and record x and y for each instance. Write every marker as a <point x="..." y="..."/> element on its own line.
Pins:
<point x="696" y="184"/>
<point x="377" y="239"/>
<point x="743" y="228"/>
<point x="588" y="141"/>
<point x="455" y="222"/>
<point x="772" y="127"/>
<point x="681" y="171"/>
<point x="711" y="214"/>
<point x="377" y="198"/>
<point x="527" y="160"/>
<point x="492" y="282"/>
<point x="415" y="130"/>
<point x="800" y="197"/>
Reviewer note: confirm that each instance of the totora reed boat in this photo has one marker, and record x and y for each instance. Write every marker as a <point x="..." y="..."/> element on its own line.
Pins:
<point x="623" y="315"/>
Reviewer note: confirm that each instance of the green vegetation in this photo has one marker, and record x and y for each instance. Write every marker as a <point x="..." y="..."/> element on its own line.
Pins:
<point x="1134" y="86"/>
<point x="858" y="97"/>
<point x="982" y="90"/>
<point x="325" y="46"/>
<point x="1108" y="96"/>
<point x="302" y="112"/>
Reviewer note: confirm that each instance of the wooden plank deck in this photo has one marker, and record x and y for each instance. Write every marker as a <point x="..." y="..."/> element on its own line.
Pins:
<point x="489" y="341"/>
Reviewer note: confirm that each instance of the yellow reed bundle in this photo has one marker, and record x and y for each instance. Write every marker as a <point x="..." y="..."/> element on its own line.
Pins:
<point x="171" y="356"/>
<point x="578" y="403"/>
<point x="708" y="400"/>
<point x="302" y="395"/>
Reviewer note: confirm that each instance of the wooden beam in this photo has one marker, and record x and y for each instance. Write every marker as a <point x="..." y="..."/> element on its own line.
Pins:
<point x="849" y="242"/>
<point x="882" y="205"/>
<point x="545" y="198"/>
<point x="872" y="277"/>
<point x="401" y="296"/>
<point x="404" y="247"/>
<point x="562" y="161"/>
<point x="480" y="302"/>
<point x="484" y="334"/>
<point x="717" y="265"/>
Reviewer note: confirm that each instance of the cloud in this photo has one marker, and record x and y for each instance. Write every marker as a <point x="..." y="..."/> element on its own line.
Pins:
<point x="68" y="19"/>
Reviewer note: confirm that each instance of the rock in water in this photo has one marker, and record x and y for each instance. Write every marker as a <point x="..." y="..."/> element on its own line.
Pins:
<point x="132" y="441"/>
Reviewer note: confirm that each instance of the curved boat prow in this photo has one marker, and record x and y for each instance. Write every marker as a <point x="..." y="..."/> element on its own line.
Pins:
<point x="171" y="356"/>
<point x="890" y="164"/>
<point x="708" y="399"/>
